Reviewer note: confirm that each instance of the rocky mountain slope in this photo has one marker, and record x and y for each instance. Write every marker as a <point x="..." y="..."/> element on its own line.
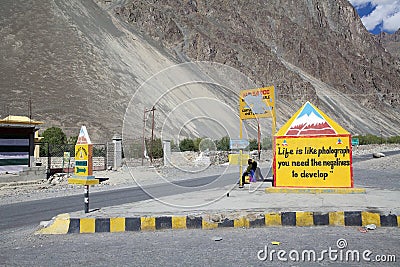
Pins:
<point x="81" y="62"/>
<point x="391" y="42"/>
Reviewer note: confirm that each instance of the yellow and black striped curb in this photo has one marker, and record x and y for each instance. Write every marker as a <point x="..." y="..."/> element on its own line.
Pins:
<point x="63" y="224"/>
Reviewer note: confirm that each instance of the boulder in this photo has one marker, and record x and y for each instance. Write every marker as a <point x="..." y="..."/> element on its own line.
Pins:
<point x="378" y="155"/>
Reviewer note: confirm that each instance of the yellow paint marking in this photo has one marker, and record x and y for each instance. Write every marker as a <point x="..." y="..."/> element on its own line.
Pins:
<point x="370" y="218"/>
<point x="273" y="219"/>
<point x="241" y="222"/>
<point x="304" y="218"/>
<point x="336" y="218"/>
<point x="87" y="225"/>
<point x="208" y="225"/>
<point x="117" y="224"/>
<point x="148" y="223"/>
<point x="59" y="226"/>
<point x="179" y="222"/>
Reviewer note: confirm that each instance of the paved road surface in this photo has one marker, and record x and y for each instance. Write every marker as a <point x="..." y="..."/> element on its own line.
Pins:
<point x="32" y="212"/>
<point x="237" y="247"/>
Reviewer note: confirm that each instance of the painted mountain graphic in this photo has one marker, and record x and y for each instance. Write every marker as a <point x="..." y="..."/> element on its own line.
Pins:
<point x="310" y="122"/>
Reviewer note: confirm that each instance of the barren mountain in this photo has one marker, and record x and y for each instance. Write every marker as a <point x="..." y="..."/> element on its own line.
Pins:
<point x="391" y="42"/>
<point x="83" y="62"/>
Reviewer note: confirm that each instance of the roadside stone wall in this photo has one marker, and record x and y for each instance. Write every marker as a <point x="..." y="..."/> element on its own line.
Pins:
<point x="57" y="162"/>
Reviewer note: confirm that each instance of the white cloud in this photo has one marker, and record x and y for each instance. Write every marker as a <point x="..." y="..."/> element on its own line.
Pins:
<point x="386" y="12"/>
<point x="359" y="3"/>
<point x="392" y="24"/>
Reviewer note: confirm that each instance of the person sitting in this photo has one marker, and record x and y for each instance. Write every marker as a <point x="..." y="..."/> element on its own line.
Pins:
<point x="253" y="171"/>
<point x="249" y="171"/>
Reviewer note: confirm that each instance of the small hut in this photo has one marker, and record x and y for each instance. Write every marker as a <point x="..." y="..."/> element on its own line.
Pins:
<point x="17" y="143"/>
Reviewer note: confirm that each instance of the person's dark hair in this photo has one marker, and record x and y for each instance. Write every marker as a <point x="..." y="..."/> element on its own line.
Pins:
<point x="249" y="161"/>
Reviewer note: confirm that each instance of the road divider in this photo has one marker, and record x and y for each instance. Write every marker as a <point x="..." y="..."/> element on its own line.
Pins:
<point x="63" y="224"/>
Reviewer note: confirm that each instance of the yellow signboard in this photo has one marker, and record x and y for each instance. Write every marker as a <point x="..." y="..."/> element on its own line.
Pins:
<point x="257" y="103"/>
<point x="313" y="161"/>
<point x="81" y="152"/>
<point x="83" y="160"/>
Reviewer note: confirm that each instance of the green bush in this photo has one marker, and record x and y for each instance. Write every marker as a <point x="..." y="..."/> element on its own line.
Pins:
<point x="51" y="136"/>
<point x="207" y="144"/>
<point x="253" y="144"/>
<point x="373" y="139"/>
<point x="174" y="147"/>
<point x="72" y="139"/>
<point x="394" y="139"/>
<point x="266" y="143"/>
<point x="368" y="139"/>
<point x="196" y="143"/>
<point x="223" y="143"/>
<point x="186" y="145"/>
<point x="54" y="135"/>
<point x="155" y="149"/>
<point x="99" y="151"/>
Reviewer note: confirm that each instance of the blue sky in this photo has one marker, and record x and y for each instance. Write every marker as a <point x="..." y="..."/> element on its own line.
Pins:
<point x="379" y="15"/>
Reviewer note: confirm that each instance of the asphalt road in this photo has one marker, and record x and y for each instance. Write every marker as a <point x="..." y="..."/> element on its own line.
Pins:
<point x="369" y="156"/>
<point x="221" y="247"/>
<point x="32" y="212"/>
<point x="383" y="179"/>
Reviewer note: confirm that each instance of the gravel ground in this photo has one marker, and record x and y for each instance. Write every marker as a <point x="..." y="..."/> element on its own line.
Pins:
<point x="145" y="175"/>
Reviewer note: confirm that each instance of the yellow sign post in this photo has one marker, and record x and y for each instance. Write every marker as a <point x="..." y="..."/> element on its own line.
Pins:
<point x="83" y="171"/>
<point x="255" y="104"/>
<point x="312" y="151"/>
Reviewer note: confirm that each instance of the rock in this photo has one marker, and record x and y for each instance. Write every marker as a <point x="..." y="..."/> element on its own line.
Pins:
<point x="217" y="238"/>
<point x="215" y="218"/>
<point x="370" y="227"/>
<point x="45" y="223"/>
<point x="378" y="155"/>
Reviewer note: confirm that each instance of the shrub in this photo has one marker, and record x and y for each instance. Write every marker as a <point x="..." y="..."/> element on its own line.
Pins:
<point x="223" y="143"/>
<point x="266" y="143"/>
<point x="54" y="135"/>
<point x="196" y="143"/>
<point x="186" y="145"/>
<point x="72" y="139"/>
<point x="253" y="144"/>
<point x="155" y="150"/>
<point x="207" y="144"/>
<point x="51" y="136"/>
<point x="394" y="139"/>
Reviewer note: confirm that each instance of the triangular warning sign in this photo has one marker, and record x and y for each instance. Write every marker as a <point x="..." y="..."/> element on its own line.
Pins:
<point x="310" y="121"/>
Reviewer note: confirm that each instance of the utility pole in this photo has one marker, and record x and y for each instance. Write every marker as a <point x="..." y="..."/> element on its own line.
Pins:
<point x="258" y="139"/>
<point x="144" y="126"/>
<point x="30" y="108"/>
<point x="152" y="135"/>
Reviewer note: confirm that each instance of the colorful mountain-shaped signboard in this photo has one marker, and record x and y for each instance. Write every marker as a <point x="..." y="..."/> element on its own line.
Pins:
<point x="83" y="137"/>
<point x="310" y="121"/>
